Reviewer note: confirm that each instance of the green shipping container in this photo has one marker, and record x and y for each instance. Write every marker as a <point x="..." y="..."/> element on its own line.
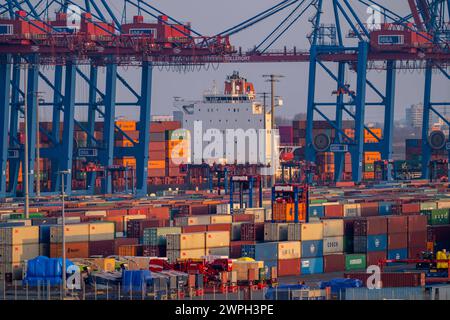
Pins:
<point x="437" y="216"/>
<point x="317" y="201"/>
<point x="157" y="236"/>
<point x="369" y="167"/>
<point x="355" y="262"/>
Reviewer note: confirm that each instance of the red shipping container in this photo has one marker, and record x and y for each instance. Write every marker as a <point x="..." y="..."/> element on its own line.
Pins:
<point x="417" y="239"/>
<point x="153" y="251"/>
<point x="124" y="242"/>
<point x="374" y="257"/>
<point x="137" y="211"/>
<point x="416" y="252"/>
<point x="417" y="223"/>
<point x="162" y="213"/>
<point x="135" y="228"/>
<point x="288" y="267"/>
<point x="370" y="226"/>
<point x="334" y="263"/>
<point x="397" y="224"/>
<point x="334" y="211"/>
<point x="116" y="212"/>
<point x="410" y="208"/>
<point x="392" y="279"/>
<point x="190" y="229"/>
<point x="397" y="240"/>
<point x="102" y="248"/>
<point x="219" y="227"/>
<point x="235" y="248"/>
<point x="242" y="217"/>
<point x="199" y="209"/>
<point x="369" y="209"/>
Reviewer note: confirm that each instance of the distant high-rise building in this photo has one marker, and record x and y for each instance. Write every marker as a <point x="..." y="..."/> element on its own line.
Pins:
<point x="414" y="115"/>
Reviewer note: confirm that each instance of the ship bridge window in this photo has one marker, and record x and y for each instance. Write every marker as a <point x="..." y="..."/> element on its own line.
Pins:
<point x="143" y="31"/>
<point x="6" y="29"/>
<point x="390" y="39"/>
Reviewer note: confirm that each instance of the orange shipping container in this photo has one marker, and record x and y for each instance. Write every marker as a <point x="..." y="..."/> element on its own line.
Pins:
<point x="126" y="125"/>
<point x="371" y="157"/>
<point x="156" y="164"/>
<point x="73" y="250"/>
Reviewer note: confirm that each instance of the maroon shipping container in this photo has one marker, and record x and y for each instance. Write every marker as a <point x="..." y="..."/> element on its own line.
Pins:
<point x="334" y="263"/>
<point x="440" y="236"/>
<point x="416" y="252"/>
<point x="235" y="248"/>
<point x="397" y="240"/>
<point x="288" y="267"/>
<point x="153" y="251"/>
<point x="91" y="219"/>
<point x="410" y="208"/>
<point x="334" y="211"/>
<point x="417" y="239"/>
<point x="374" y="257"/>
<point x="370" y="226"/>
<point x="242" y="217"/>
<point x="392" y="279"/>
<point x="369" y="209"/>
<point x="124" y="242"/>
<point x="190" y="229"/>
<point x="199" y="209"/>
<point x="103" y="248"/>
<point x="252" y="232"/>
<point x="417" y="223"/>
<point x="397" y="224"/>
<point x="219" y="227"/>
<point x="116" y="212"/>
<point x="135" y="228"/>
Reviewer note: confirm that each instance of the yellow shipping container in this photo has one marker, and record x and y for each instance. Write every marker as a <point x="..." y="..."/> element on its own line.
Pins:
<point x="217" y="239"/>
<point x="289" y="250"/>
<point x="311" y="231"/>
<point x="443" y="204"/>
<point x="352" y="210"/>
<point x="18" y="253"/>
<point x="19" y="235"/>
<point x="192" y="221"/>
<point x="101" y="213"/>
<point x="242" y="268"/>
<point x="100" y="231"/>
<point x="217" y="219"/>
<point x="105" y="264"/>
<point x="333" y="227"/>
<point x="185" y="241"/>
<point x="72" y="233"/>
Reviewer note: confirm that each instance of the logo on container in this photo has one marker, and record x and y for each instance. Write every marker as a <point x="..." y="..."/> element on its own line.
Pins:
<point x="73" y="17"/>
<point x="374" y="280"/>
<point x="312" y="248"/>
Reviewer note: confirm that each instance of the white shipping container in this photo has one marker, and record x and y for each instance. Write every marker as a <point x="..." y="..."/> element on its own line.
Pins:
<point x="223" y="208"/>
<point x="192" y="221"/>
<point x="294" y="233"/>
<point x="333" y="227"/>
<point x="289" y="250"/>
<point x="18" y="253"/>
<point x="19" y="235"/>
<point x="352" y="210"/>
<point x="217" y="239"/>
<point x="185" y="241"/>
<point x="275" y="231"/>
<point x="69" y="220"/>
<point x="259" y="213"/>
<point x="333" y="245"/>
<point x="26" y="222"/>
<point x="101" y="213"/>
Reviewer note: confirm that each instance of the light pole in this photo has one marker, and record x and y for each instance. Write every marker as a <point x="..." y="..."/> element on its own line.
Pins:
<point x="63" y="191"/>
<point x="25" y="129"/>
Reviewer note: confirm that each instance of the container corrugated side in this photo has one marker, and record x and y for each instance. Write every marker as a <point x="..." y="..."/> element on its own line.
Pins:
<point x="186" y="241"/>
<point x="311" y="231"/>
<point x="72" y="233"/>
<point x="19" y="235"/>
<point x="217" y="239"/>
<point x="333" y="227"/>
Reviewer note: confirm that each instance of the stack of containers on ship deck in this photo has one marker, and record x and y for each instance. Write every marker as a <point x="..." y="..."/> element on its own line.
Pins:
<point x="155" y="240"/>
<point x="283" y="255"/>
<point x="311" y="237"/>
<point x="17" y="244"/>
<point x="185" y="246"/>
<point x="397" y="237"/>
<point x="370" y="238"/>
<point x="217" y="243"/>
<point x="417" y="235"/>
<point x="333" y="245"/>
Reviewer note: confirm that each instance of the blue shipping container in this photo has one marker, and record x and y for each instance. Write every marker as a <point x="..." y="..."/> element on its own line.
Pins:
<point x="311" y="265"/>
<point x="397" y="254"/>
<point x="44" y="233"/>
<point x="11" y="224"/>
<point x="312" y="248"/>
<point x="385" y="208"/>
<point x="266" y="251"/>
<point x="316" y="211"/>
<point x="268" y="264"/>
<point x="377" y="242"/>
<point x="248" y="250"/>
